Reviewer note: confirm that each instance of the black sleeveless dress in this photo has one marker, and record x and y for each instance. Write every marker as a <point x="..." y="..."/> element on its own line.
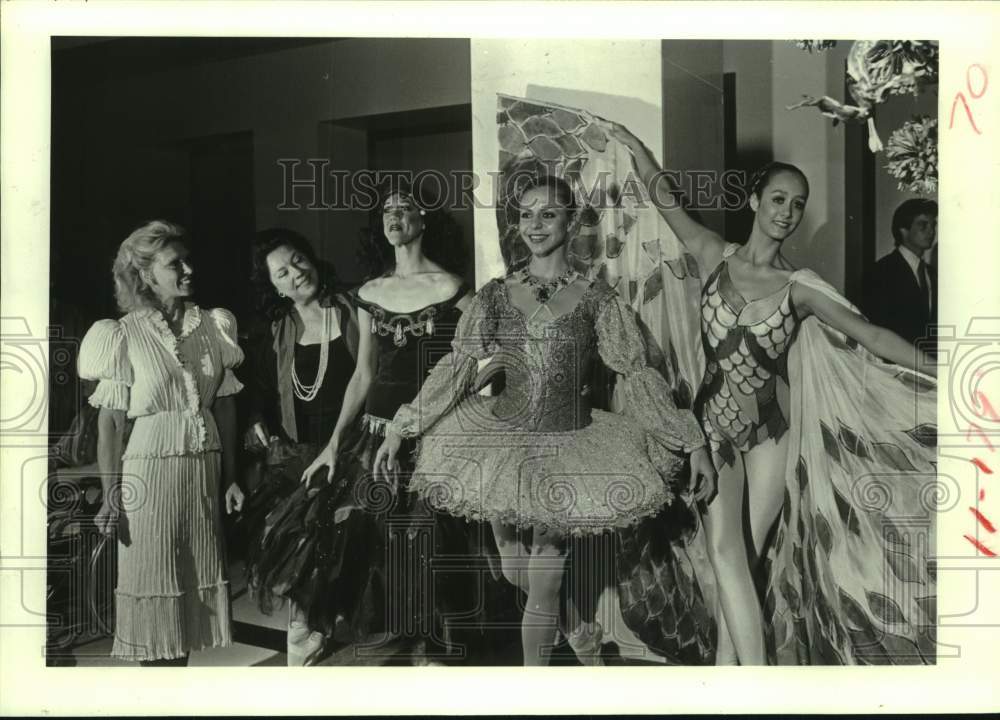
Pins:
<point x="316" y="419"/>
<point x="286" y="459"/>
<point x="354" y="555"/>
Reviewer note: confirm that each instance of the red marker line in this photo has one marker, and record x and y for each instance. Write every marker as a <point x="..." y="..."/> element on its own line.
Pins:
<point x="968" y="80"/>
<point x="968" y="113"/>
<point x="982" y="494"/>
<point x="982" y="466"/>
<point x="987" y="525"/>
<point x="979" y="431"/>
<point x="982" y="402"/>
<point x="980" y="547"/>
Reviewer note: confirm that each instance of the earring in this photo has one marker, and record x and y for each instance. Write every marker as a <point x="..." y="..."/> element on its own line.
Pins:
<point x="422" y="213"/>
<point x="281" y="294"/>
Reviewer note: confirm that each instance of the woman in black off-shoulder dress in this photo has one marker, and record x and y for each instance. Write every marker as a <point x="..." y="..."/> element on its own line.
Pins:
<point x="369" y="563"/>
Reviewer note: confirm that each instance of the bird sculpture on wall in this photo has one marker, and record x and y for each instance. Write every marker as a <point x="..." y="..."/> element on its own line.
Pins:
<point x="875" y="70"/>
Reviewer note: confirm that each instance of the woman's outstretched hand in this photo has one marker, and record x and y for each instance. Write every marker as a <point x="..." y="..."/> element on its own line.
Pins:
<point x="618" y="132"/>
<point x="386" y="464"/>
<point x="327" y="458"/>
<point x="703" y="475"/>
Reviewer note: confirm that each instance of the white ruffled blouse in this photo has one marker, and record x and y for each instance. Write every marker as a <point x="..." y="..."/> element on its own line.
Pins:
<point x="166" y="382"/>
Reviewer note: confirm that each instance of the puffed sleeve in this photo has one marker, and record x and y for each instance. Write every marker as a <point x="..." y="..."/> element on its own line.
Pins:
<point x="104" y="357"/>
<point x="453" y="377"/>
<point x="232" y="354"/>
<point x="646" y="396"/>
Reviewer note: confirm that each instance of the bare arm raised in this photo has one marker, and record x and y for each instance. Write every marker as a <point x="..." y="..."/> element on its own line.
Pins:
<point x="878" y="340"/>
<point x="704" y="244"/>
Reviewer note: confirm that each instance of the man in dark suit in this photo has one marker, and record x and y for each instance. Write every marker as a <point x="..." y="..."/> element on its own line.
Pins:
<point x="900" y="291"/>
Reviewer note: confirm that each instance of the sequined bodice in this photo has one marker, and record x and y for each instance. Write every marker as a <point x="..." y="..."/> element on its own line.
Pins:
<point x="409" y="345"/>
<point x="547" y="363"/>
<point x="746" y="376"/>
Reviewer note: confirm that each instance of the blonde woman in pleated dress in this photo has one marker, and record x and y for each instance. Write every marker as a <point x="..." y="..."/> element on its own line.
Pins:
<point x="166" y="364"/>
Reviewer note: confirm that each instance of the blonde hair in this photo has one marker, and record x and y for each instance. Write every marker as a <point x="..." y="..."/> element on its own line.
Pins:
<point x="136" y="254"/>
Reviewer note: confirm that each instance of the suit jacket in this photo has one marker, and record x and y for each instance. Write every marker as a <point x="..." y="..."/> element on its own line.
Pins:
<point x="892" y="298"/>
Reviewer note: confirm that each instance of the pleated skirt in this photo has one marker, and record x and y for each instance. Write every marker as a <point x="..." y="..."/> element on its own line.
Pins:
<point x="172" y="596"/>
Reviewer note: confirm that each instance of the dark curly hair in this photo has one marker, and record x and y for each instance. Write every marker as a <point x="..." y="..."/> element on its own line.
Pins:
<point x="907" y="212"/>
<point x="266" y="297"/>
<point x="442" y="237"/>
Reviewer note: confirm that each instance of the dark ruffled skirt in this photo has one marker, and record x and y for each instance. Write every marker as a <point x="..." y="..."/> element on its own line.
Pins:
<point x="359" y="559"/>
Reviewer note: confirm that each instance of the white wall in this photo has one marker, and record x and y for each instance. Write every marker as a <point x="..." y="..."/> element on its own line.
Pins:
<point x="619" y="80"/>
<point x="770" y="75"/>
<point x="808" y="140"/>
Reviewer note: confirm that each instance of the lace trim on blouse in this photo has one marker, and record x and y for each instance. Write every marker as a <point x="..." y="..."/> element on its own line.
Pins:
<point x="192" y="319"/>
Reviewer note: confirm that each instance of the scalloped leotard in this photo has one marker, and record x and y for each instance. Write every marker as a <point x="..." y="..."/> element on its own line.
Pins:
<point x="744" y="395"/>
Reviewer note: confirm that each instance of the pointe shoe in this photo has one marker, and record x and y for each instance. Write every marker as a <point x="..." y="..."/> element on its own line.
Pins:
<point x="585" y="641"/>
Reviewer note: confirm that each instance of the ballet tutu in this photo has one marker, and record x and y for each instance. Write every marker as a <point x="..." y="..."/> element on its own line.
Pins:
<point x="607" y="475"/>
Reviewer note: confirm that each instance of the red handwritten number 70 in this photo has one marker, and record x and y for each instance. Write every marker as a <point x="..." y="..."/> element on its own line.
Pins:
<point x="959" y="96"/>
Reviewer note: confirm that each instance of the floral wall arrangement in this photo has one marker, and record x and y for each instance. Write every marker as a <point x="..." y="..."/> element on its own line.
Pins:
<point x="876" y="70"/>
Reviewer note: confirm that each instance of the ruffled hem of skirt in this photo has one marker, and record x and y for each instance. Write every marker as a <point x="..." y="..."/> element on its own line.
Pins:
<point x="577" y="527"/>
<point x="606" y="476"/>
<point x="320" y="545"/>
<point x="164" y="627"/>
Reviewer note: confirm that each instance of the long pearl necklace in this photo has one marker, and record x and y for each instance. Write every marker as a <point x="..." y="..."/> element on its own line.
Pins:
<point x="308" y="393"/>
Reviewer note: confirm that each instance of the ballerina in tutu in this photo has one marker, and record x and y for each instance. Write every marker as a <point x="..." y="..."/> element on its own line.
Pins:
<point x="807" y="427"/>
<point x="537" y="456"/>
<point x="347" y="549"/>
